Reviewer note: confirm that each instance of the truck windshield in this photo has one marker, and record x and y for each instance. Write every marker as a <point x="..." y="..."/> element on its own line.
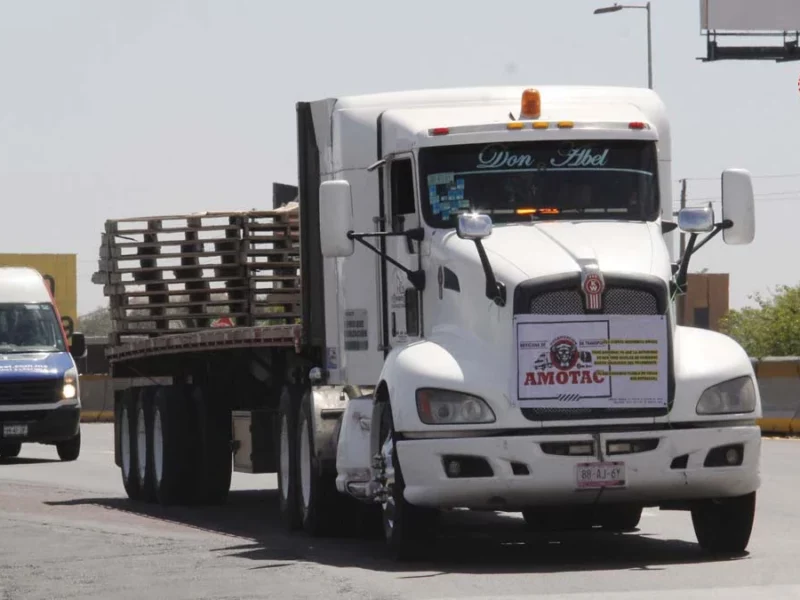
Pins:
<point x="30" y="328"/>
<point x="523" y="181"/>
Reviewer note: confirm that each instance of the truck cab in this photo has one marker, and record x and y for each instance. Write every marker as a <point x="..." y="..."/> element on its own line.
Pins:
<point x="500" y="272"/>
<point x="39" y="384"/>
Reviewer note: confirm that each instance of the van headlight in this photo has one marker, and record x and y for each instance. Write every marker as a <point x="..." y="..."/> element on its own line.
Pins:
<point x="445" y="407"/>
<point x="70" y="389"/>
<point x="732" y="396"/>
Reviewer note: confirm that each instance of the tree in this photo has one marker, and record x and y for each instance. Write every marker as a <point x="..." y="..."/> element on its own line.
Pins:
<point x="771" y="328"/>
<point x="95" y="323"/>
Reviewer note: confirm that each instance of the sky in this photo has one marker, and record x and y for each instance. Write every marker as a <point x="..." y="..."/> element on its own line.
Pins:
<point x="115" y="109"/>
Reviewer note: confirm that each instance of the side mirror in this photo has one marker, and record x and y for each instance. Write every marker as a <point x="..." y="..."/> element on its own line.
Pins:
<point x="474" y="226"/>
<point x="738" y="206"/>
<point x="335" y="218"/>
<point x="696" y="219"/>
<point x="78" y="346"/>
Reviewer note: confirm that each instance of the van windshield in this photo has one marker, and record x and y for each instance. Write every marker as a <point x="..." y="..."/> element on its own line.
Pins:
<point x="524" y="181"/>
<point x="30" y="328"/>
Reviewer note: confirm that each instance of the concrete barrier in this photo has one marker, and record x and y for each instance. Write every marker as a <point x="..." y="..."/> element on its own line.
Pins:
<point x="778" y="382"/>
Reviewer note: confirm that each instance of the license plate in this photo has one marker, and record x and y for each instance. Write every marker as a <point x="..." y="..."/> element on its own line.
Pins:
<point x="600" y="475"/>
<point x="15" y="430"/>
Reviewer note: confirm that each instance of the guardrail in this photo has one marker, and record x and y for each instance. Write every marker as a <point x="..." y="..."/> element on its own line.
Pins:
<point x="778" y="382"/>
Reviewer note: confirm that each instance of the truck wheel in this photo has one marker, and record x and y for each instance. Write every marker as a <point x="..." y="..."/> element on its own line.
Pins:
<point x="550" y="520"/>
<point x="144" y="445"/>
<point x="172" y="457"/>
<point x="10" y="449"/>
<point x="408" y="529"/>
<point x="287" y="459"/>
<point x="214" y="451"/>
<point x="620" y="518"/>
<point x="724" y="526"/>
<point x="321" y="506"/>
<point x="127" y="443"/>
<point x="69" y="450"/>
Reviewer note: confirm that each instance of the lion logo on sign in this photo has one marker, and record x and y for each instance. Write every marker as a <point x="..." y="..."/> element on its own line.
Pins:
<point x="564" y="353"/>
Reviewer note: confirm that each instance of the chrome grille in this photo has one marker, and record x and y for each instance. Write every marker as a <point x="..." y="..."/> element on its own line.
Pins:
<point x="616" y="301"/>
<point x="30" y="392"/>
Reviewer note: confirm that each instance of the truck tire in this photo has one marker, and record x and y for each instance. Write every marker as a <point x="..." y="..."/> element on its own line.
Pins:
<point x="69" y="450"/>
<point x="724" y="526"/>
<point x="172" y="457"/>
<point x="125" y="426"/>
<point x="10" y="449"/>
<point x="551" y="520"/>
<point x="214" y="453"/>
<point x="286" y="442"/>
<point x="620" y="518"/>
<point x="144" y="444"/>
<point x="322" y="508"/>
<point x="409" y="530"/>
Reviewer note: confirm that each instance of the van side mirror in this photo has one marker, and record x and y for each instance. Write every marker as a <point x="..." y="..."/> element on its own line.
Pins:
<point x="335" y="218"/>
<point x="78" y="346"/>
<point x="738" y="206"/>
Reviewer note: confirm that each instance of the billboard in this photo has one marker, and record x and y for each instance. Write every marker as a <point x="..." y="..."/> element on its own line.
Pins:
<point x="776" y="16"/>
<point x="60" y="271"/>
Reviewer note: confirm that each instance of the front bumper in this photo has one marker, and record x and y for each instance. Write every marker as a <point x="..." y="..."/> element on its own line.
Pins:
<point x="43" y="425"/>
<point x="672" y="471"/>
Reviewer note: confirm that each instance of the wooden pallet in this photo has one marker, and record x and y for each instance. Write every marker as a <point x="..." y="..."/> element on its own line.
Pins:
<point x="181" y="273"/>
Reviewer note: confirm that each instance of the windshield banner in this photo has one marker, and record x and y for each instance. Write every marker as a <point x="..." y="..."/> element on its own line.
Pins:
<point x="588" y="361"/>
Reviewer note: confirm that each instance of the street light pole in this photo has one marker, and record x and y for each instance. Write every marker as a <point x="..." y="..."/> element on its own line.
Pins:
<point x="619" y="7"/>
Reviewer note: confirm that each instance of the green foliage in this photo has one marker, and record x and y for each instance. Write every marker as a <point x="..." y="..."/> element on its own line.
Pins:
<point x="771" y="328"/>
<point x="95" y="323"/>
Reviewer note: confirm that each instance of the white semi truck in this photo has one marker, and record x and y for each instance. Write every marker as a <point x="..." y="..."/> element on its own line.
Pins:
<point x="471" y="305"/>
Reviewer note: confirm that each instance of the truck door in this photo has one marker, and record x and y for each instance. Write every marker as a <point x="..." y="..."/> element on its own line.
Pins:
<point x="402" y="301"/>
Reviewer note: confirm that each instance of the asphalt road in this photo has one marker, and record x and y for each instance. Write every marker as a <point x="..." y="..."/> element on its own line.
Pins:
<point x="67" y="531"/>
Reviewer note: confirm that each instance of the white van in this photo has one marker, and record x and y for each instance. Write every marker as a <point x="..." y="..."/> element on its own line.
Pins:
<point x="39" y="387"/>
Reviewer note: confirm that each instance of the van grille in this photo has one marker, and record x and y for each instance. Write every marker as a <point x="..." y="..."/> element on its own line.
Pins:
<point x="30" y="392"/>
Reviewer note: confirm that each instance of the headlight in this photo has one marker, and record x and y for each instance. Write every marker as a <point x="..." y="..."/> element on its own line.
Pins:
<point x="733" y="396"/>
<point x="70" y="389"/>
<point x="443" y="407"/>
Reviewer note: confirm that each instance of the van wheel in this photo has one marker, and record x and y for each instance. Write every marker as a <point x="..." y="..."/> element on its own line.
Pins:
<point x="10" y="449"/>
<point x="724" y="526"/>
<point x="408" y="529"/>
<point x="287" y="458"/>
<point x="69" y="450"/>
<point x="172" y="458"/>
<point x="127" y="443"/>
<point x="323" y="511"/>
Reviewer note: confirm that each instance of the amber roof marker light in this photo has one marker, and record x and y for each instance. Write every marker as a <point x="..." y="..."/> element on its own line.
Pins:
<point x="618" y="7"/>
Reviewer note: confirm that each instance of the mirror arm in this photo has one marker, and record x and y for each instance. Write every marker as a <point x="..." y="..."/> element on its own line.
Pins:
<point x="691" y="248"/>
<point x="417" y="278"/>
<point x="495" y="290"/>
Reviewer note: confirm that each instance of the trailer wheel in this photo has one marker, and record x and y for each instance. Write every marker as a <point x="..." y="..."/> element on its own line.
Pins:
<point x="172" y="457"/>
<point x="214" y="451"/>
<point x="408" y="529"/>
<point x="10" y="449"/>
<point x="125" y="426"/>
<point x="724" y="526"/>
<point x="323" y="510"/>
<point x="287" y="459"/>
<point x="144" y="445"/>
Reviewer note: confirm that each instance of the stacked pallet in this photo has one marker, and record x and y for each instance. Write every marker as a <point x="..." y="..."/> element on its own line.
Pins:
<point x="185" y="273"/>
